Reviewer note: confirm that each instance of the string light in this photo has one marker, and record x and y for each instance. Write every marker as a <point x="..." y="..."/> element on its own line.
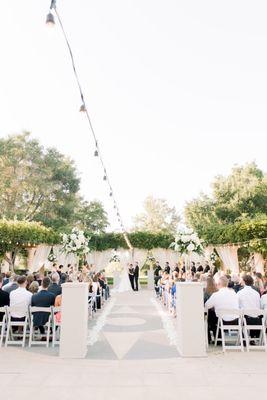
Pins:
<point x="50" y="20"/>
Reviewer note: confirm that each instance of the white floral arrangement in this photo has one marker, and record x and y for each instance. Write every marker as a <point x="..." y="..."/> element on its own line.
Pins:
<point x="187" y="242"/>
<point x="213" y="257"/>
<point x="52" y="257"/>
<point x="75" y="242"/>
<point x="114" y="256"/>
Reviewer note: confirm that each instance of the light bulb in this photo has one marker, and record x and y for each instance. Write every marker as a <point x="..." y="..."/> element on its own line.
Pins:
<point x="82" y="108"/>
<point x="50" y="20"/>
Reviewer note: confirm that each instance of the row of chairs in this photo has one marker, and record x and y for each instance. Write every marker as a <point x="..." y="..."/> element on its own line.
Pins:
<point x="16" y="332"/>
<point x="233" y="336"/>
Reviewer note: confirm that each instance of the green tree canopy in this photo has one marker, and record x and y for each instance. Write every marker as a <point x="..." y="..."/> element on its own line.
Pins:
<point x="240" y="196"/>
<point x="36" y="184"/>
<point x="158" y="217"/>
<point x="92" y="217"/>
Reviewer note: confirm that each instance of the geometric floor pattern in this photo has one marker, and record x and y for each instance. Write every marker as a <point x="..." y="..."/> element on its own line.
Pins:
<point x="133" y="331"/>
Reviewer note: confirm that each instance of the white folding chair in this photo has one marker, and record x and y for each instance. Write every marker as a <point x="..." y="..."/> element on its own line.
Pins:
<point x="55" y="326"/>
<point x="260" y="343"/>
<point x="10" y="335"/>
<point x="33" y="332"/>
<point x="2" y="325"/>
<point x="91" y="304"/>
<point x="234" y="330"/>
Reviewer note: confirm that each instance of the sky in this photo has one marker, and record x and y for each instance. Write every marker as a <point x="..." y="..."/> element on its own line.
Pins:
<point x="177" y="91"/>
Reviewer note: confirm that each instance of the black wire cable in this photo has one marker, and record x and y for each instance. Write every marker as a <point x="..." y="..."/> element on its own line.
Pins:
<point x="84" y="109"/>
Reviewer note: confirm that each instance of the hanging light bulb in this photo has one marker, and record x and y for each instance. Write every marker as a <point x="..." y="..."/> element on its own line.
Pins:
<point x="105" y="178"/>
<point x="96" y="153"/>
<point x="50" y="19"/>
<point x="111" y="194"/>
<point x="83" y="108"/>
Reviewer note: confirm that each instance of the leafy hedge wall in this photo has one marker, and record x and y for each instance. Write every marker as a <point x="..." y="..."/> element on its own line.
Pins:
<point x="141" y="240"/>
<point x="242" y="231"/>
<point x="21" y="234"/>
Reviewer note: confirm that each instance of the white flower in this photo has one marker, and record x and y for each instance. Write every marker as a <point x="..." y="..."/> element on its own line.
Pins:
<point x="73" y="236"/>
<point x="191" y="247"/>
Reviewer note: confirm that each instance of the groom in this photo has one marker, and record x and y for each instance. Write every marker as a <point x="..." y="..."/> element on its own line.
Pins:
<point x="136" y="276"/>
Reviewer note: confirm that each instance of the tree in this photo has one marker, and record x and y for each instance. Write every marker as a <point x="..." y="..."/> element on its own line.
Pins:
<point x="36" y="184"/>
<point x="18" y="235"/>
<point x="238" y="197"/>
<point x="158" y="217"/>
<point x="92" y="217"/>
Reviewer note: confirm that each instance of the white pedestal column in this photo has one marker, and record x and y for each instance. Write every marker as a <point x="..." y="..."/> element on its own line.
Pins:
<point x="74" y="320"/>
<point x="150" y="279"/>
<point x="190" y="319"/>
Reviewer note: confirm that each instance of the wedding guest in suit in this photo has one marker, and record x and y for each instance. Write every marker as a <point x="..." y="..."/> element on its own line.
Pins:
<point x="12" y="284"/>
<point x="199" y="267"/>
<point x="6" y="278"/>
<point x="20" y="299"/>
<point x="212" y="318"/>
<point x="157" y="269"/>
<point x="4" y="297"/>
<point x="176" y="269"/>
<point x="54" y="287"/>
<point x="167" y="268"/>
<point x="131" y="275"/>
<point x="43" y="298"/>
<point x="136" y="276"/>
<point x="207" y="268"/>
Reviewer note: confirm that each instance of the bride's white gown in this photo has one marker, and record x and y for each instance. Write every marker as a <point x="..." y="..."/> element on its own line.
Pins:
<point x="124" y="284"/>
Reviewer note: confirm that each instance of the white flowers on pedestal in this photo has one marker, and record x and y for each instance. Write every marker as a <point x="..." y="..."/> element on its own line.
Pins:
<point x="75" y="242"/>
<point x="187" y="242"/>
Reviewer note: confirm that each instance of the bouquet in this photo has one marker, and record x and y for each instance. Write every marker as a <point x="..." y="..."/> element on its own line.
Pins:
<point x="75" y="242"/>
<point x="187" y="242"/>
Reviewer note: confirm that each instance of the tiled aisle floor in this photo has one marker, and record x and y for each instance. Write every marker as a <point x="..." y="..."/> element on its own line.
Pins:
<point x="131" y="360"/>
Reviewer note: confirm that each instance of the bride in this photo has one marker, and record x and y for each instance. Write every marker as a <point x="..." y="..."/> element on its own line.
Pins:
<point x="124" y="284"/>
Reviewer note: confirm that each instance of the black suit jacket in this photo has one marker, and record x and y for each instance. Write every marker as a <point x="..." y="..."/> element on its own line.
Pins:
<point x="4" y="301"/>
<point x="55" y="289"/>
<point x="136" y="271"/>
<point x="42" y="299"/>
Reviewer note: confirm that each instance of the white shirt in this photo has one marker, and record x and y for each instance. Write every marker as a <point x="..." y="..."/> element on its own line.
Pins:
<point x="20" y="299"/>
<point x="248" y="298"/>
<point x="225" y="298"/>
<point x="264" y="301"/>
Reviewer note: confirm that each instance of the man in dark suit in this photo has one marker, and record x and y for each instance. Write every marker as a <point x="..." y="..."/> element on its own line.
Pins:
<point x="131" y="275"/>
<point x="136" y="276"/>
<point x="157" y="269"/>
<point x="4" y="297"/>
<point x="167" y="267"/>
<point x="54" y="287"/>
<point x="44" y="298"/>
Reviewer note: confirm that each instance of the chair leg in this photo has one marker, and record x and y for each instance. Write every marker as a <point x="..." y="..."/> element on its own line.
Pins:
<point x="217" y="333"/>
<point x="241" y="338"/>
<point x="223" y="338"/>
<point x="7" y="333"/>
<point x="24" y="333"/>
<point x="48" y="334"/>
<point x="246" y="338"/>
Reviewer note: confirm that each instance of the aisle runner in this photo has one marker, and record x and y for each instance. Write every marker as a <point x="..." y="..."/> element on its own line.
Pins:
<point x="93" y="334"/>
<point x="131" y="329"/>
<point x="167" y="322"/>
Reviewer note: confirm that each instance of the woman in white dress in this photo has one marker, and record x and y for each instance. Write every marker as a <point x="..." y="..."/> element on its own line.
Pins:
<point x="124" y="284"/>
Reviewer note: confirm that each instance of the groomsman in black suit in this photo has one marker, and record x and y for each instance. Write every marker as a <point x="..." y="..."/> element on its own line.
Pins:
<point x="131" y="275"/>
<point x="136" y="276"/>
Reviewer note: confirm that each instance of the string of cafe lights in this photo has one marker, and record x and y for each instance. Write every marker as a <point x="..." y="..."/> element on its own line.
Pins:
<point x="50" y="20"/>
<point x="241" y="244"/>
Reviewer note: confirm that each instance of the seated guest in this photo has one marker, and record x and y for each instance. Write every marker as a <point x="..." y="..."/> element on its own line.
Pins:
<point x="225" y="298"/>
<point x="58" y="303"/>
<point x="235" y="280"/>
<point x="249" y="298"/>
<point x="11" y="285"/>
<point x="54" y="287"/>
<point x="30" y="279"/>
<point x="34" y="287"/>
<point x="7" y="276"/>
<point x="258" y="282"/>
<point x="4" y="297"/>
<point x="20" y="299"/>
<point x="43" y="298"/>
<point x="212" y="318"/>
<point x="264" y="298"/>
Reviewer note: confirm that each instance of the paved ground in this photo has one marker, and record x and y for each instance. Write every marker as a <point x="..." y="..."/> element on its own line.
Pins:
<point x="131" y="359"/>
